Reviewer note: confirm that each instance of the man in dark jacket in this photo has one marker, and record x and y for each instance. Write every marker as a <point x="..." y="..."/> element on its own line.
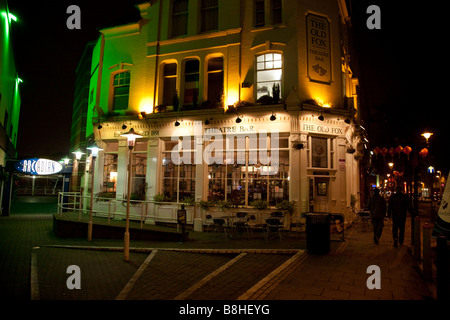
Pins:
<point x="397" y="207"/>
<point x="377" y="207"/>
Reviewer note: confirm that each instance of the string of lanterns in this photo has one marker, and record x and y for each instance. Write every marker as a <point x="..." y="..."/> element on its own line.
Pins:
<point x="398" y="150"/>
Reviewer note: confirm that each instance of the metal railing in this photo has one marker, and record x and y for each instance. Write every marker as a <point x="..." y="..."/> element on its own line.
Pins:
<point x="112" y="208"/>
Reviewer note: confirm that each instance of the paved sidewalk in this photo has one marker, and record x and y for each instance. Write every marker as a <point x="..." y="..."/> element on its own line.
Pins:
<point x="287" y="273"/>
<point x="342" y="274"/>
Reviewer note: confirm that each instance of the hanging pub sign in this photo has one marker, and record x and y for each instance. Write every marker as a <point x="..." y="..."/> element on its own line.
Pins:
<point x="318" y="48"/>
<point x="38" y="167"/>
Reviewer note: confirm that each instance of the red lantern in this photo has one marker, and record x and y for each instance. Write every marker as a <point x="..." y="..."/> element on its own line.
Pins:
<point x="399" y="149"/>
<point x="376" y="150"/>
<point x="384" y="151"/>
<point x="391" y="151"/>
<point x="407" y="150"/>
<point x="423" y="153"/>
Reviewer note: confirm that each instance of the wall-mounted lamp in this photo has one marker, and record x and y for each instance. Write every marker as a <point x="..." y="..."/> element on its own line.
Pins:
<point x="66" y="160"/>
<point x="238" y="120"/>
<point x="321" y="118"/>
<point x="99" y="126"/>
<point x="347" y="121"/>
<point x="207" y="121"/>
<point x="124" y="126"/>
<point x="177" y="123"/>
<point x="273" y="117"/>
<point x="78" y="153"/>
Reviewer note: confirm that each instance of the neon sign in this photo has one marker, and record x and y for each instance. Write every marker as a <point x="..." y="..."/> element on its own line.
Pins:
<point x="39" y="167"/>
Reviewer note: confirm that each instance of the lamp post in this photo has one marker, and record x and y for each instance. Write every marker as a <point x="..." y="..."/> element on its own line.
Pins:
<point x="94" y="153"/>
<point x="131" y="139"/>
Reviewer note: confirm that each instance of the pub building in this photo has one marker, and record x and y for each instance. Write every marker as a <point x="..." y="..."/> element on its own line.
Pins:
<point x="234" y="101"/>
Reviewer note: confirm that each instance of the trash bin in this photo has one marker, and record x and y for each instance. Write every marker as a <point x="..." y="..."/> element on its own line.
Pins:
<point x="318" y="233"/>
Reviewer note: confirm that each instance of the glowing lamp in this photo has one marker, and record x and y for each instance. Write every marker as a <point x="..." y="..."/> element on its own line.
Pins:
<point x="94" y="149"/>
<point x="131" y="137"/>
<point x="427" y="135"/>
<point x="78" y="153"/>
<point x="423" y="153"/>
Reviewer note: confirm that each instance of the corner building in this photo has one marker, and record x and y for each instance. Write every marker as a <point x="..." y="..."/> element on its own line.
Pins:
<point x="234" y="100"/>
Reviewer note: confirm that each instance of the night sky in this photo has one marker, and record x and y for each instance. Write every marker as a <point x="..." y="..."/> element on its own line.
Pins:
<point x="402" y="72"/>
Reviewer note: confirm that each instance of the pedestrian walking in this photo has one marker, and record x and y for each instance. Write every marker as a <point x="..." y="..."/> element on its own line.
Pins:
<point x="377" y="208"/>
<point x="398" y="205"/>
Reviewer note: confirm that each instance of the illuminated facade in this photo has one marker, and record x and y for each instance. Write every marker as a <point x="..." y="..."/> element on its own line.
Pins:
<point x="9" y="93"/>
<point x="214" y="82"/>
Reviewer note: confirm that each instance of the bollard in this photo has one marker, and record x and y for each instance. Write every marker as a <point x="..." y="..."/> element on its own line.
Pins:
<point x="442" y="272"/>
<point x="417" y="242"/>
<point x="427" y="262"/>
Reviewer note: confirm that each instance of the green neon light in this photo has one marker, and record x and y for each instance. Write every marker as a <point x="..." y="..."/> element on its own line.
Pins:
<point x="9" y="16"/>
<point x="12" y="17"/>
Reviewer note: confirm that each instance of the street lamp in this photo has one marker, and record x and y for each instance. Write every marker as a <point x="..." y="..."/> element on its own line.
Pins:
<point x="94" y="153"/>
<point x="131" y="139"/>
<point x="427" y="136"/>
<point x="78" y="153"/>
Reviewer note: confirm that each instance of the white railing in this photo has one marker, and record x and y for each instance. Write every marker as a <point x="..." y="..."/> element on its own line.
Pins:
<point x="145" y="211"/>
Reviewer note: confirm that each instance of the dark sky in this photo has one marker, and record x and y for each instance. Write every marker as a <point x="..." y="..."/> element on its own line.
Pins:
<point x="403" y="70"/>
<point x="47" y="54"/>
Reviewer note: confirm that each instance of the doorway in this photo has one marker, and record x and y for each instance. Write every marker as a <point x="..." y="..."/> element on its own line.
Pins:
<point x="321" y="194"/>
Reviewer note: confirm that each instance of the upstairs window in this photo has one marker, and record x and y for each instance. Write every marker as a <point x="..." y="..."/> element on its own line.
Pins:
<point x="268" y="73"/>
<point x="170" y="83"/>
<point x="191" y="78"/>
<point x="121" y="87"/>
<point x="215" y="81"/>
<point x="259" y="13"/>
<point x="209" y="15"/>
<point x="276" y="12"/>
<point x="179" y="17"/>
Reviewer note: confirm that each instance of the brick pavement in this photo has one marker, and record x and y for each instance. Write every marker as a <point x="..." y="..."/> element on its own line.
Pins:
<point x="342" y="274"/>
<point x="338" y="275"/>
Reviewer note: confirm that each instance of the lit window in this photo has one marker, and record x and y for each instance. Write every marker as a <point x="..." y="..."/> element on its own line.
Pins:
<point x="268" y="73"/>
<point x="121" y="90"/>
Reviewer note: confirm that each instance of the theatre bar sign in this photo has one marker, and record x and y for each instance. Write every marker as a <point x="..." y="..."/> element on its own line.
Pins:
<point x="38" y="167"/>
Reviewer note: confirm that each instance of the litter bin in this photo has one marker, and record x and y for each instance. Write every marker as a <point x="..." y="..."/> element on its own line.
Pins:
<point x="318" y="233"/>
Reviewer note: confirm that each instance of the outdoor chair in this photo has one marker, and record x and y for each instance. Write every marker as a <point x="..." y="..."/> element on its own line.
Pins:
<point x="255" y="225"/>
<point x="274" y="225"/>
<point x="220" y="226"/>
<point x="209" y="223"/>
<point x="241" y="222"/>
<point x="278" y="214"/>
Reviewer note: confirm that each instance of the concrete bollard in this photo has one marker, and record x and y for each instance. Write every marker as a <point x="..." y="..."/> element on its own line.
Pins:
<point x="427" y="262"/>
<point x="442" y="272"/>
<point x="417" y="242"/>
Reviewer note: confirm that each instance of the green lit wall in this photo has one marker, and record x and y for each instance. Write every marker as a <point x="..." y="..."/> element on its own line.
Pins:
<point x="9" y="85"/>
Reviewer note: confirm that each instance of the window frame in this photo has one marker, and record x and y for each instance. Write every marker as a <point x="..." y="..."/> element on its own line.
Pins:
<point x="174" y="16"/>
<point x="266" y="62"/>
<point x="120" y="85"/>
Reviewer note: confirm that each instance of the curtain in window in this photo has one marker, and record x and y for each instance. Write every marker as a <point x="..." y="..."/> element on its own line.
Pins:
<point x="268" y="73"/>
